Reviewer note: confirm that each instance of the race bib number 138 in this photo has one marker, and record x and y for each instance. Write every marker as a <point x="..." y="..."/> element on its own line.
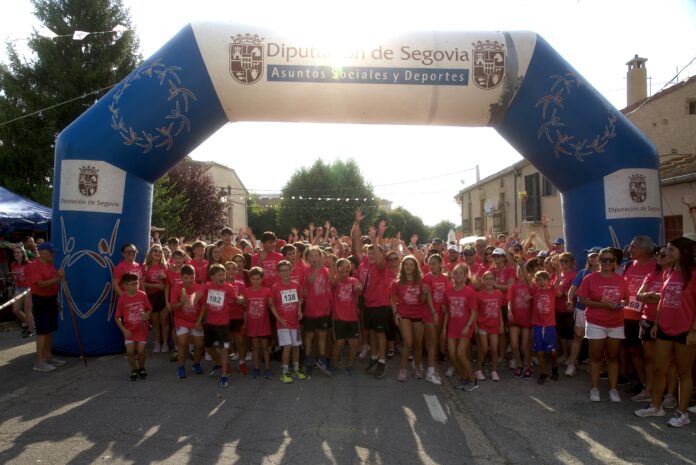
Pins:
<point x="289" y="296"/>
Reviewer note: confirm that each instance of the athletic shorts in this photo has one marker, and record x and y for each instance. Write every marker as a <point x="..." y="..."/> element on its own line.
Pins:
<point x="289" y="337"/>
<point x="236" y="326"/>
<point x="157" y="301"/>
<point x="320" y="323"/>
<point x="217" y="333"/>
<point x="45" y="310"/>
<point x="346" y="329"/>
<point x="632" y="333"/>
<point x="645" y="328"/>
<point x="565" y="325"/>
<point x="181" y="330"/>
<point x="679" y="338"/>
<point x="580" y="318"/>
<point x="377" y="319"/>
<point x="600" y="332"/>
<point x="544" y="339"/>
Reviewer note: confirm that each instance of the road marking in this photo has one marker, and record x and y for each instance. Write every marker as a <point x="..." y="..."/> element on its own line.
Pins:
<point x="436" y="410"/>
<point x="16" y="394"/>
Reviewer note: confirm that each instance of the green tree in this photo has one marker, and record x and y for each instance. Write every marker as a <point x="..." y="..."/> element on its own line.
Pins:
<point x="169" y="208"/>
<point x="263" y="219"/>
<point x="57" y="70"/>
<point x="403" y="222"/>
<point x="442" y="229"/>
<point x="326" y="192"/>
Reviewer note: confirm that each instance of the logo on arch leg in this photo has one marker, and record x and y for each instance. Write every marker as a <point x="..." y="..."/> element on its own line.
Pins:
<point x="489" y="64"/>
<point x="246" y="58"/>
<point x="638" y="188"/>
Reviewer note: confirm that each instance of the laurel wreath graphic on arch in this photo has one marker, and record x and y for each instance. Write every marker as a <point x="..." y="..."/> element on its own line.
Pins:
<point x="162" y="136"/>
<point x="564" y="143"/>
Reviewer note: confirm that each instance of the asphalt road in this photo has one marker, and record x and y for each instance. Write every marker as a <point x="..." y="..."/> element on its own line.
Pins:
<point x="79" y="415"/>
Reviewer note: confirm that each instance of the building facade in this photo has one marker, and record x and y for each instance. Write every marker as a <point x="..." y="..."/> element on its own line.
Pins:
<point x="232" y="192"/>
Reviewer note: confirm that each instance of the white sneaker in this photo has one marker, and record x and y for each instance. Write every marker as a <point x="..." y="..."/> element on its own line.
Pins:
<point x="208" y="357"/>
<point x="156" y="348"/>
<point x="614" y="395"/>
<point x="450" y="372"/>
<point x="364" y="351"/>
<point x="513" y="364"/>
<point x="433" y="378"/>
<point x="642" y="396"/>
<point x="679" y="420"/>
<point x="494" y="376"/>
<point x="165" y="348"/>
<point x="594" y="395"/>
<point x="248" y="357"/>
<point x="669" y="401"/>
<point x="650" y="411"/>
<point x="479" y="375"/>
<point x="43" y="366"/>
<point x="570" y="370"/>
<point x="535" y="360"/>
<point x="56" y="362"/>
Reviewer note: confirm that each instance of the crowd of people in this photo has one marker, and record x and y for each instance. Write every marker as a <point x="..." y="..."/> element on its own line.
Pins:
<point x="322" y="300"/>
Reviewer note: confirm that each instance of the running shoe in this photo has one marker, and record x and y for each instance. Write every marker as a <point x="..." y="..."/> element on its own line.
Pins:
<point x="669" y="401"/>
<point x="518" y="372"/>
<point x="542" y="378"/>
<point x="243" y="370"/>
<point x="433" y="378"/>
<point x="267" y="374"/>
<point x="223" y="382"/>
<point x="614" y="396"/>
<point x="380" y="370"/>
<point x="197" y="368"/>
<point x="450" y="372"/>
<point x="134" y="375"/>
<point x="461" y="384"/>
<point x="165" y="348"/>
<point x="679" y="419"/>
<point x="650" y="411"/>
<point x="513" y="364"/>
<point x="390" y="354"/>
<point x="142" y="374"/>
<point x="528" y="374"/>
<point x="364" y="351"/>
<point x="156" y="348"/>
<point x="350" y="371"/>
<point x="471" y="386"/>
<point x="478" y="374"/>
<point x="594" y="395"/>
<point x="402" y="375"/>
<point x="214" y="370"/>
<point x="56" y="362"/>
<point x="207" y="357"/>
<point x="418" y="373"/>
<point x="286" y="378"/>
<point x="181" y="373"/>
<point x="297" y="374"/>
<point x="323" y="365"/>
<point x="570" y="370"/>
<point x="642" y="396"/>
<point x="371" y="365"/>
<point x="42" y="366"/>
<point x="255" y="373"/>
<point x="494" y="376"/>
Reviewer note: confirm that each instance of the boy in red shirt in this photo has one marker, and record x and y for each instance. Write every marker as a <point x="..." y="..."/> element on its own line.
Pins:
<point x="132" y="315"/>
<point x="267" y="259"/>
<point x="345" y="314"/>
<point x="286" y="305"/>
<point x="216" y="297"/>
<point x="317" y="310"/>
<point x="185" y="305"/>
<point x="544" y="323"/>
<point x="256" y="320"/>
<point x="235" y="276"/>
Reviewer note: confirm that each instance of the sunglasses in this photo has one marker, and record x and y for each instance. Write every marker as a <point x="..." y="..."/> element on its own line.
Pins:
<point x="607" y="260"/>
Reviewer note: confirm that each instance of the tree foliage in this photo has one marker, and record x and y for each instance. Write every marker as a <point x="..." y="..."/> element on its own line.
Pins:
<point x="403" y="222"/>
<point x="325" y="192"/>
<point x="442" y="229"/>
<point x="56" y="71"/>
<point x="186" y="201"/>
<point x="263" y="218"/>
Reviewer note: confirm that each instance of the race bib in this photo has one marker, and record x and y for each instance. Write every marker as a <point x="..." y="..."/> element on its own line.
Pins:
<point x="215" y="298"/>
<point x="634" y="304"/>
<point x="289" y="296"/>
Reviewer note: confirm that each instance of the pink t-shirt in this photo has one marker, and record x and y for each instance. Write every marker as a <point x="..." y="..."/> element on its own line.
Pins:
<point x="564" y="284"/>
<point x="237" y="310"/>
<point x="40" y="271"/>
<point x="376" y="286"/>
<point x="459" y="304"/>
<point x="317" y="291"/>
<point x="677" y="305"/>
<point x="503" y="275"/>
<point x="187" y="315"/>
<point x="519" y="299"/>
<point x="256" y="303"/>
<point x="634" y="277"/>
<point x="21" y="274"/>
<point x="652" y="283"/>
<point x="131" y="310"/>
<point x="201" y="267"/>
<point x="287" y="300"/>
<point x="269" y="263"/>
<point x="408" y="299"/>
<point x="345" y="300"/>
<point x="489" y="304"/>
<point x="608" y="289"/>
<point x="155" y="274"/>
<point x="437" y="285"/>
<point x="217" y="299"/>
<point x="126" y="267"/>
<point x="173" y="279"/>
<point x="543" y="303"/>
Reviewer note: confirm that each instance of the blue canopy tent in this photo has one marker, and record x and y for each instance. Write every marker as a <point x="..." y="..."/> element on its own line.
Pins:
<point x="16" y="212"/>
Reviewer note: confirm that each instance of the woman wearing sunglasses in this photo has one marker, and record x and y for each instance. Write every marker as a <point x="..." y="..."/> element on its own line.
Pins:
<point x="604" y="294"/>
<point x="675" y="330"/>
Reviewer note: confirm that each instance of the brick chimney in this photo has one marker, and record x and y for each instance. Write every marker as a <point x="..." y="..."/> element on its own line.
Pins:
<point x="637" y="80"/>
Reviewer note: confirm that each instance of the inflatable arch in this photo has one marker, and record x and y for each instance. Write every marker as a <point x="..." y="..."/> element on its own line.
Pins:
<point x="209" y="74"/>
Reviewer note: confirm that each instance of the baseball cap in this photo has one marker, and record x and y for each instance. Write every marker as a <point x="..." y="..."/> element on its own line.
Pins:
<point x="453" y="248"/>
<point x="498" y="251"/>
<point x="437" y="240"/>
<point x="543" y="254"/>
<point x="46" y="246"/>
<point x="594" y="249"/>
<point x="469" y="251"/>
<point x="559" y="241"/>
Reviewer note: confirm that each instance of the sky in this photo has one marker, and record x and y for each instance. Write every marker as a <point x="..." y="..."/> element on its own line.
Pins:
<point x="418" y="167"/>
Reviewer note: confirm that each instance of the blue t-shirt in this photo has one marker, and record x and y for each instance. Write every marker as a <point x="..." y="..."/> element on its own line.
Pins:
<point x="576" y="282"/>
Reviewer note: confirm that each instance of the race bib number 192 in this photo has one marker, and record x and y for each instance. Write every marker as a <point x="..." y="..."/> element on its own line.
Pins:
<point x="215" y="298"/>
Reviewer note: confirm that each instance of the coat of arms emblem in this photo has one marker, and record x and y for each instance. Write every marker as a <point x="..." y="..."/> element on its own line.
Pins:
<point x="489" y="64"/>
<point x="88" y="181"/>
<point x="246" y="58"/>
<point x="638" y="188"/>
